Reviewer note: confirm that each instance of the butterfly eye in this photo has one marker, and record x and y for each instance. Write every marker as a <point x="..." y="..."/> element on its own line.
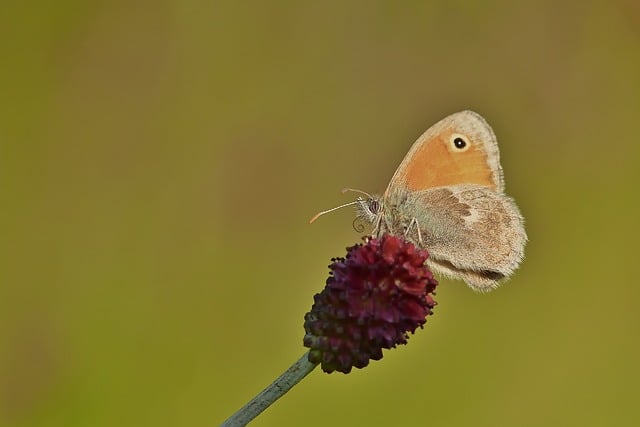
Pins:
<point x="459" y="142"/>
<point x="374" y="206"/>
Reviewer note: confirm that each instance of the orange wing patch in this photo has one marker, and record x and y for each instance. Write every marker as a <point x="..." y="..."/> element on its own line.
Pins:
<point x="433" y="164"/>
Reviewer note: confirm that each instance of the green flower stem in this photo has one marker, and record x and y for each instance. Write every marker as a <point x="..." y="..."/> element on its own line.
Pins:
<point x="273" y="392"/>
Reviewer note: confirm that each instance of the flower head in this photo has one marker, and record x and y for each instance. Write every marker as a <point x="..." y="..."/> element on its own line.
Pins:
<point x="378" y="293"/>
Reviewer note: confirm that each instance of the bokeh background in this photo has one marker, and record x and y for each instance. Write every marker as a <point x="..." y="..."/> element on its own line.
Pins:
<point x="160" y="160"/>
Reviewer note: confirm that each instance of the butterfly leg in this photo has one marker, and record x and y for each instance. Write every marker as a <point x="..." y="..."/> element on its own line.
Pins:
<point x="377" y="225"/>
<point x="414" y="222"/>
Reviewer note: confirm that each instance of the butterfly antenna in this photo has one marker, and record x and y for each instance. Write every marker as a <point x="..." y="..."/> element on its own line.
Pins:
<point x="319" y="214"/>
<point x="345" y="190"/>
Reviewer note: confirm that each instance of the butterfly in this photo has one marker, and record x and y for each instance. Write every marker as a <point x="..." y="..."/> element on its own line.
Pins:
<point x="447" y="196"/>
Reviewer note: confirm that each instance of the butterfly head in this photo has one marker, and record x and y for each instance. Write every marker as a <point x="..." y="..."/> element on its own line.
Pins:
<point x="369" y="209"/>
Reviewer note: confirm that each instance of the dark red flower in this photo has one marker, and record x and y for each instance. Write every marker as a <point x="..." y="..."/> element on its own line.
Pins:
<point x="378" y="293"/>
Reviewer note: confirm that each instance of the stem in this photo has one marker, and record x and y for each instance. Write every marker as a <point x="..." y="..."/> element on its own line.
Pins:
<point x="273" y="392"/>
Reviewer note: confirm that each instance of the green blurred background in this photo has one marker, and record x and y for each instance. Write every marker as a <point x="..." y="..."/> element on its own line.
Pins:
<point x="160" y="160"/>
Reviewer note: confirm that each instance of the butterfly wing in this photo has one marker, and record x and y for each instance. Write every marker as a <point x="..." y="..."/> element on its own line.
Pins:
<point x="435" y="161"/>
<point x="471" y="232"/>
<point x="447" y="196"/>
